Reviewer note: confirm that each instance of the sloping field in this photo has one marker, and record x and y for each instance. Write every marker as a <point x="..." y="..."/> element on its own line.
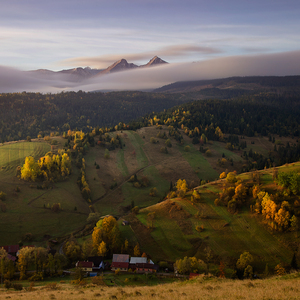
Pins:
<point x="199" y="163"/>
<point x="28" y="211"/>
<point x="13" y="155"/>
<point x="228" y="235"/>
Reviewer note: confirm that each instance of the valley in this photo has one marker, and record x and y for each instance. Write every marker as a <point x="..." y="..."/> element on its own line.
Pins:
<point x="135" y="173"/>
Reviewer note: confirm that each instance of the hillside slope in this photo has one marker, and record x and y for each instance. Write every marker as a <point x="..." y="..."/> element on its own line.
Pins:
<point x="175" y="233"/>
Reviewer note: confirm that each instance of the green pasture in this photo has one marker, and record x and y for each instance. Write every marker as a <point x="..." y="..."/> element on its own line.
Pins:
<point x="14" y="224"/>
<point x="141" y="196"/>
<point x="165" y="233"/>
<point x="97" y="189"/>
<point x="198" y="162"/>
<point x="127" y="233"/>
<point x="220" y="149"/>
<point x="228" y="235"/>
<point x="138" y="144"/>
<point x="13" y="155"/>
<point x="121" y="163"/>
<point x="243" y="233"/>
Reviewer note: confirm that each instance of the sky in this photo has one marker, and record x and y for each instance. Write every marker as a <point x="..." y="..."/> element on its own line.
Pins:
<point x="55" y="35"/>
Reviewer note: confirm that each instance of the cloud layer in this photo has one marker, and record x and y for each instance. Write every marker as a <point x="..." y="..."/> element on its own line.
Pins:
<point x="166" y="52"/>
<point x="276" y="64"/>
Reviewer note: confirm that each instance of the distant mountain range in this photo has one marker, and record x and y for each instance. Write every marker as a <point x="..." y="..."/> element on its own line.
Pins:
<point x="242" y="83"/>
<point x="80" y="74"/>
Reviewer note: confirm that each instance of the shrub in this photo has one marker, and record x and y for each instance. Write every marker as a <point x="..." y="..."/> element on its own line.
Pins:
<point x="137" y="185"/>
<point x="187" y="148"/>
<point x="117" y="272"/>
<point x="199" y="228"/>
<point x="2" y="196"/>
<point x="164" y="150"/>
<point x="106" y="154"/>
<point x="17" y="286"/>
<point x="36" y="277"/>
<point x="135" y="210"/>
<point x="168" y="143"/>
<point x="31" y="287"/>
<point x="153" y="140"/>
<point x="145" y="181"/>
<point x="208" y="153"/>
<point x="223" y="175"/>
<point x="153" y="192"/>
<point x="7" y="284"/>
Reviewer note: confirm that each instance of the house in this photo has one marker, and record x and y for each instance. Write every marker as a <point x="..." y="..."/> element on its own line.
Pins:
<point x="146" y="268"/>
<point x="11" y="257"/>
<point x="120" y="261"/>
<point x="12" y="249"/>
<point x="140" y="260"/>
<point x="99" y="264"/>
<point x="85" y="265"/>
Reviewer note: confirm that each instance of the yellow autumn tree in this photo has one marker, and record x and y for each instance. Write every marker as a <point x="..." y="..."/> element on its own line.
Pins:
<point x="223" y="175"/>
<point x="195" y="196"/>
<point x="137" y="251"/>
<point x="30" y="169"/>
<point x="102" y="250"/>
<point x="97" y="237"/>
<point x="282" y="218"/>
<point x="268" y="207"/>
<point x="182" y="187"/>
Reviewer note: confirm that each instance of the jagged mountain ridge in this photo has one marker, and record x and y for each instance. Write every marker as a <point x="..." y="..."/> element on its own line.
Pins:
<point x="80" y="74"/>
<point x="119" y="65"/>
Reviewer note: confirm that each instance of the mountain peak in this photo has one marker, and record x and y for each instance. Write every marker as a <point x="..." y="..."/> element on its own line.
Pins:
<point x="119" y="65"/>
<point x="155" y="61"/>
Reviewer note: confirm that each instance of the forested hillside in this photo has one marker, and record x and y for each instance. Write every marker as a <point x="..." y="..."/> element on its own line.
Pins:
<point x="29" y="114"/>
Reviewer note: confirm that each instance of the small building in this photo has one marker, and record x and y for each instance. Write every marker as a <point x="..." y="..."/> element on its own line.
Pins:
<point x="138" y="260"/>
<point x="12" y="249"/>
<point x="146" y="268"/>
<point x="120" y="261"/>
<point x="11" y="257"/>
<point x="85" y="265"/>
<point x="123" y="266"/>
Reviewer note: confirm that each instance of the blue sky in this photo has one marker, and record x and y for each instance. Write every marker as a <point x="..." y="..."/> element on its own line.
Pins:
<point x="65" y="34"/>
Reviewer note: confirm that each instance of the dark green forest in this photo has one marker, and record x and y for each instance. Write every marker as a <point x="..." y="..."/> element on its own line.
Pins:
<point x="29" y="114"/>
<point x="245" y="113"/>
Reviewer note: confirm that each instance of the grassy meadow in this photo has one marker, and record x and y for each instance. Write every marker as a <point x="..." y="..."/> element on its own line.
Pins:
<point x="201" y="287"/>
<point x="28" y="211"/>
<point x="174" y="233"/>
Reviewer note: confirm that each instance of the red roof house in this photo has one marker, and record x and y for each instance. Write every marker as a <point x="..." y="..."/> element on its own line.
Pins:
<point x="12" y="249"/>
<point x="120" y="261"/>
<point x="85" y="265"/>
